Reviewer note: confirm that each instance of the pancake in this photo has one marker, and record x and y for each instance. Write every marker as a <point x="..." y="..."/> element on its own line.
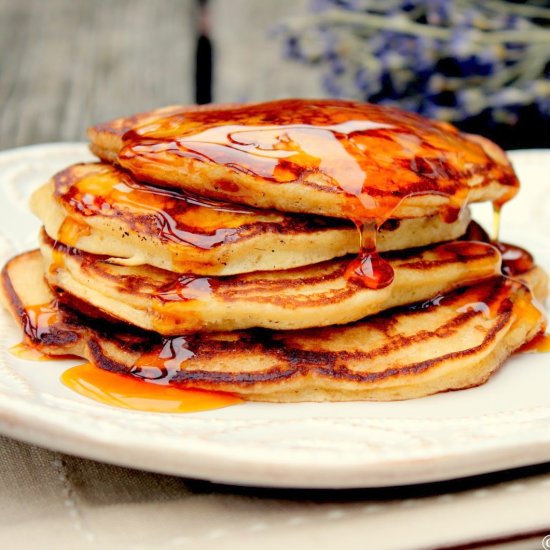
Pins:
<point x="331" y="157"/>
<point x="100" y="209"/>
<point x="446" y="343"/>
<point x="317" y="295"/>
<point x="107" y="136"/>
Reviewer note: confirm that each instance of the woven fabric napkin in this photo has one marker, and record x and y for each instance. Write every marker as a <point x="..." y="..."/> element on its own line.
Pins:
<point x="50" y="500"/>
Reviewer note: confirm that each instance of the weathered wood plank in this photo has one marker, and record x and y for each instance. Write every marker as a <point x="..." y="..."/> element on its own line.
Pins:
<point x="65" y="64"/>
<point x="249" y="63"/>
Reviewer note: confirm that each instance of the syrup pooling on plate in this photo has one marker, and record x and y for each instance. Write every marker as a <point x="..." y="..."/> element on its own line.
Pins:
<point x="146" y="389"/>
<point x="375" y="157"/>
<point x="539" y="344"/>
<point x="130" y="393"/>
<point x="28" y="352"/>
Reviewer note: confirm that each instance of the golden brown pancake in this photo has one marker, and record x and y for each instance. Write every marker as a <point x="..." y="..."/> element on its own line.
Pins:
<point x="109" y="133"/>
<point x="100" y="209"/>
<point x="447" y="343"/>
<point x="317" y="295"/>
<point x="330" y="157"/>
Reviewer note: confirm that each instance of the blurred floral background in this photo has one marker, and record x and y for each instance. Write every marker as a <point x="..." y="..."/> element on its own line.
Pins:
<point x="66" y="64"/>
<point x="484" y="66"/>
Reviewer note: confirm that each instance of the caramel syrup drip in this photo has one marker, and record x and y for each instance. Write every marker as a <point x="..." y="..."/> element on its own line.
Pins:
<point x="161" y="366"/>
<point x="539" y="344"/>
<point x="131" y="393"/>
<point x="28" y="352"/>
<point x="38" y="320"/>
<point x="174" y="217"/>
<point x="371" y="156"/>
<point x="497" y="209"/>
<point x="368" y="268"/>
<point x="145" y="389"/>
<point x="515" y="260"/>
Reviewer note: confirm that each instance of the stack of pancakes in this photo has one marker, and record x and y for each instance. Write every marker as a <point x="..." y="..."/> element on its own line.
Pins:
<point x="286" y="251"/>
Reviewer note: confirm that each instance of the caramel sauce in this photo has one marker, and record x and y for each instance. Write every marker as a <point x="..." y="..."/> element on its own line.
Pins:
<point x="324" y="144"/>
<point x="174" y="217"/>
<point x="515" y="260"/>
<point x="528" y="309"/>
<point x="38" y="320"/>
<point x="68" y="234"/>
<point x="28" y="352"/>
<point x="539" y="344"/>
<point x="71" y="230"/>
<point x="146" y="389"/>
<point x="490" y="299"/>
<point x="130" y="393"/>
<point x="497" y="209"/>
<point x="38" y="323"/>
<point x="160" y="366"/>
<point x="186" y="287"/>
<point x="368" y="267"/>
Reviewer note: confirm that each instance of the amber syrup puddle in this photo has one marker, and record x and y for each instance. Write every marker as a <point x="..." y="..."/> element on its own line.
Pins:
<point x="132" y="393"/>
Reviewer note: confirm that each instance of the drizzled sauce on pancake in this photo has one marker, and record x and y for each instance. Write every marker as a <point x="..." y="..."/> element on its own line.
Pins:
<point x="44" y="323"/>
<point x="373" y="156"/>
<point x="161" y="361"/>
<point x="38" y="320"/>
<point x="540" y="344"/>
<point x="515" y="260"/>
<point x="38" y="323"/>
<point x="172" y="216"/>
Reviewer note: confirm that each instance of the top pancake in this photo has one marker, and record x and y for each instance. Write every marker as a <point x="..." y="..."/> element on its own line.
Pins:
<point x="337" y="158"/>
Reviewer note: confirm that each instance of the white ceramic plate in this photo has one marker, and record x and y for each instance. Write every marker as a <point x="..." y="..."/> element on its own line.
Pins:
<point x="503" y="424"/>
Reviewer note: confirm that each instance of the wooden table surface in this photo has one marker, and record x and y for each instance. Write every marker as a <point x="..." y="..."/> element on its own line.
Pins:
<point x="65" y="64"/>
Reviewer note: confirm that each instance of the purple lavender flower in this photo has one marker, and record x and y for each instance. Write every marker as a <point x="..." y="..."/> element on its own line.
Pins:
<point x="449" y="60"/>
